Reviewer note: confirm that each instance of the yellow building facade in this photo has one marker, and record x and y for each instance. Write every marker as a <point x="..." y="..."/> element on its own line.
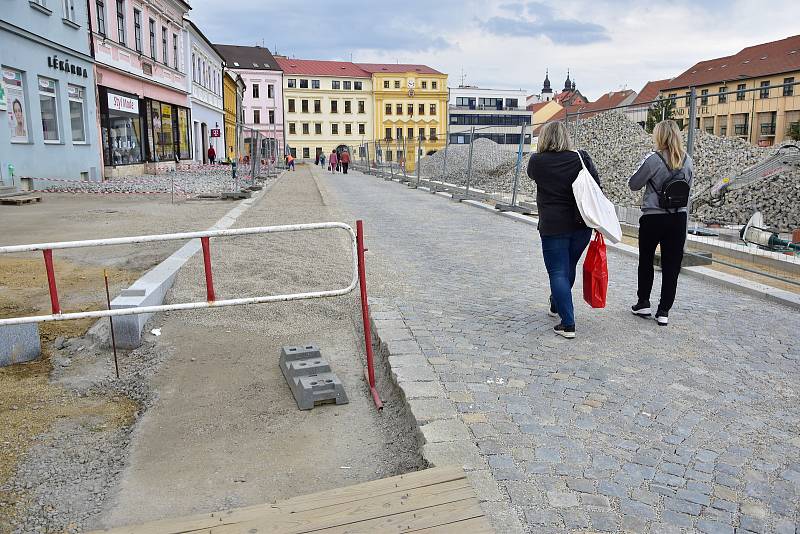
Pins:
<point x="753" y="95"/>
<point x="229" y="110"/>
<point x="410" y="103"/>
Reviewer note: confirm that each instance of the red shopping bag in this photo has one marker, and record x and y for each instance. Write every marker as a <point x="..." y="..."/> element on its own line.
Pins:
<point x="595" y="273"/>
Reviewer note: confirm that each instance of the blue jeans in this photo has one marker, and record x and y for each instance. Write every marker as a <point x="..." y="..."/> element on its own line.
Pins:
<point x="561" y="254"/>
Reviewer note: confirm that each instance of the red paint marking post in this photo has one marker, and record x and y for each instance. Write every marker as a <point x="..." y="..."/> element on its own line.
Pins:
<point x="51" y="280"/>
<point x="362" y="282"/>
<point x="207" y="265"/>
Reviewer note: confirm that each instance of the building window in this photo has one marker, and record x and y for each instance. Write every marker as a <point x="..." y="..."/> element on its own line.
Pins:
<point x="764" y="92"/>
<point x="422" y="133"/>
<point x="335" y="129"/>
<point x="410" y="108"/>
<point x="121" y="21"/>
<point x="272" y="116"/>
<point x="348" y="106"/>
<point x="424" y="85"/>
<point x="704" y="97"/>
<point x="304" y="106"/>
<point x="688" y="98"/>
<point x="69" y="10"/>
<point x="49" y="110"/>
<point x="433" y="109"/>
<point x="348" y="129"/>
<point x="388" y="132"/>
<point x="256" y="91"/>
<point x="15" y="95"/>
<point x="722" y="98"/>
<point x="291" y="105"/>
<point x="152" y="39"/>
<point x="362" y="129"/>
<point x="292" y="128"/>
<point x="399" y="109"/>
<point x="317" y="106"/>
<point x="433" y="134"/>
<point x="303" y="84"/>
<point x="121" y="131"/>
<point x="362" y="106"/>
<point x="385" y="84"/>
<point x="399" y="132"/>
<point x="306" y="152"/>
<point x="256" y="116"/>
<point x="305" y="128"/>
<point x="175" y="51"/>
<point x="358" y="86"/>
<point x="740" y="91"/>
<point x="388" y="110"/>
<point x="335" y="84"/>
<point x="434" y="85"/>
<point x="788" y="89"/>
<point x="318" y="128"/>
<point x="334" y="106"/>
<point x="291" y="83"/>
<point x="315" y="84"/>
<point x="397" y="84"/>
<point x="411" y="133"/>
<point x="76" y="113"/>
<point x="137" y="30"/>
<point x="347" y="85"/>
<point x="270" y="91"/>
<point x="101" y="17"/>
<point x="421" y="109"/>
<point x="164" y="46"/>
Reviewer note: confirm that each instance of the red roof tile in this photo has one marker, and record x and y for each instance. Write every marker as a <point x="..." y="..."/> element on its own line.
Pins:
<point x="760" y="60"/>
<point x="537" y="106"/>
<point x="397" y="68"/>
<point x="314" y="67"/>
<point x="650" y="91"/>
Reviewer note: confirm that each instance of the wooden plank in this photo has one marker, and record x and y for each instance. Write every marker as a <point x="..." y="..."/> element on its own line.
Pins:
<point x="18" y="200"/>
<point x="352" y="512"/>
<point x="432" y="519"/>
<point x="476" y="525"/>
<point x="375" y="488"/>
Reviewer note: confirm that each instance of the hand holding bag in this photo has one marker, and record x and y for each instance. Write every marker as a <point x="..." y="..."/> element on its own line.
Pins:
<point x="596" y="210"/>
<point x="595" y="273"/>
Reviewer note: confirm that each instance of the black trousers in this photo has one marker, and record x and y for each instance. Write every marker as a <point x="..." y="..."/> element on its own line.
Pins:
<point x="344" y="167"/>
<point x="669" y="231"/>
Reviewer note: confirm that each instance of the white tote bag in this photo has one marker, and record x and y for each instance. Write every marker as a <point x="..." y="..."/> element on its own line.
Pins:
<point x="597" y="211"/>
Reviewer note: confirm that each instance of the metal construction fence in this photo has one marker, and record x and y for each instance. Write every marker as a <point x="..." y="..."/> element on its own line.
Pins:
<point x="746" y="160"/>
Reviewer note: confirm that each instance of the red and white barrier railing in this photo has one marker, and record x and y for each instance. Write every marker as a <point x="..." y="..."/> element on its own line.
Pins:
<point x="358" y="277"/>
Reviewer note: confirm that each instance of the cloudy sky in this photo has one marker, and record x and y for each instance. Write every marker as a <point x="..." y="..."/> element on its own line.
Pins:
<point x="607" y="45"/>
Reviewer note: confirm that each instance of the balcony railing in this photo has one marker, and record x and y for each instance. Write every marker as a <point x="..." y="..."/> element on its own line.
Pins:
<point x="767" y="128"/>
<point x="740" y="129"/>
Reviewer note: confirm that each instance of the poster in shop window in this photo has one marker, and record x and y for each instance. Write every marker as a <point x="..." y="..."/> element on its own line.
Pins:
<point x="15" y="104"/>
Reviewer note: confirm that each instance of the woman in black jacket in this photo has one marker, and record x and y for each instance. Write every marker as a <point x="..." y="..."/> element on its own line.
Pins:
<point x="564" y="234"/>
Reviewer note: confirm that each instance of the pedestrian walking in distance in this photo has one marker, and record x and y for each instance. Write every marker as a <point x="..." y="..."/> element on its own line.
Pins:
<point x="666" y="175"/>
<point x="322" y="159"/>
<point x="212" y="155"/>
<point x="333" y="161"/>
<point x="345" y="160"/>
<point x="564" y="234"/>
<point x="290" y="162"/>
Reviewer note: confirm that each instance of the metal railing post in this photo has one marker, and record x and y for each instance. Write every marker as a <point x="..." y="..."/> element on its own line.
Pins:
<point x="419" y="159"/>
<point x="692" y="120"/>
<point x="519" y="164"/>
<point x="367" y="155"/>
<point x="405" y="160"/>
<point x="469" y="160"/>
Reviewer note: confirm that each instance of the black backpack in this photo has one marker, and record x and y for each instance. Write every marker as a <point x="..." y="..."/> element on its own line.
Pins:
<point x="675" y="191"/>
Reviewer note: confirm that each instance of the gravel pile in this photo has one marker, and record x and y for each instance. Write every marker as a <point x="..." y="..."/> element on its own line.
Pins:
<point x="188" y="182"/>
<point x="617" y="145"/>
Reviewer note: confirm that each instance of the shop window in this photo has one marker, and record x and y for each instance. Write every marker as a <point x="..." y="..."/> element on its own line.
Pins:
<point x="121" y="21"/>
<point x="77" y="113"/>
<point x="49" y="110"/>
<point x="162" y="142"/>
<point x="184" y="145"/>
<point x="121" y="131"/>
<point x="101" y="17"/>
<point x="17" y="109"/>
<point x="137" y="30"/>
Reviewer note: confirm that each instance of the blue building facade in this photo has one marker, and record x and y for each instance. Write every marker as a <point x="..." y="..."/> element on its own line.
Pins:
<point x="49" y="123"/>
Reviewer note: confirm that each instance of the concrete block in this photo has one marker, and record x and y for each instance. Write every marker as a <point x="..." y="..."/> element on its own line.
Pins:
<point x="19" y="343"/>
<point x="310" y="377"/>
<point x="300" y="352"/>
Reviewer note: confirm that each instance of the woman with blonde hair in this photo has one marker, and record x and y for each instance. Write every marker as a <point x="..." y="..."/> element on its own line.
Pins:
<point x="564" y="234"/>
<point x="666" y="174"/>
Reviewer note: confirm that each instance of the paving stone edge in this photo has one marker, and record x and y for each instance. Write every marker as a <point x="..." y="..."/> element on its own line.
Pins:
<point x="444" y="439"/>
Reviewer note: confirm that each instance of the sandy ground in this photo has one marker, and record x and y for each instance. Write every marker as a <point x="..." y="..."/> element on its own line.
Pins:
<point x="225" y="429"/>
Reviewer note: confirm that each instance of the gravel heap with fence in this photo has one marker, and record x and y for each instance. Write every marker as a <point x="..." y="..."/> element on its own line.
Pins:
<point x="617" y="145"/>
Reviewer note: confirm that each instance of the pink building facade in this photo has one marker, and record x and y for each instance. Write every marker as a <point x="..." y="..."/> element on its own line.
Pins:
<point x="140" y="52"/>
<point x="262" y="104"/>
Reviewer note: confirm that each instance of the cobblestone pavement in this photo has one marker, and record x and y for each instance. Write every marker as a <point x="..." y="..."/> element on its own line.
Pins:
<point x="629" y="427"/>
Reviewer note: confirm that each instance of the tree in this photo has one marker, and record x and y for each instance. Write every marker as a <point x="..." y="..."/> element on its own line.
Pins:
<point x="660" y="110"/>
<point x="794" y="131"/>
